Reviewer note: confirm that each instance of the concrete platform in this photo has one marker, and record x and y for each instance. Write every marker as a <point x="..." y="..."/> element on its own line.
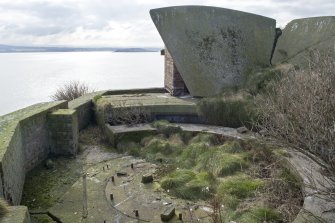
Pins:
<point x="157" y="103"/>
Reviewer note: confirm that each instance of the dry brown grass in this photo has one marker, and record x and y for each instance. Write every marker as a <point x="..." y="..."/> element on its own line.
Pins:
<point x="122" y="114"/>
<point x="299" y="108"/>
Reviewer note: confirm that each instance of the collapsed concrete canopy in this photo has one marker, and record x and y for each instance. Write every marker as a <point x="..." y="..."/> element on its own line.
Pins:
<point x="301" y="36"/>
<point x="212" y="47"/>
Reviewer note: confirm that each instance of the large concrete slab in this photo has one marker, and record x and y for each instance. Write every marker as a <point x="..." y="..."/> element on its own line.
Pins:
<point x="300" y="36"/>
<point x="214" y="47"/>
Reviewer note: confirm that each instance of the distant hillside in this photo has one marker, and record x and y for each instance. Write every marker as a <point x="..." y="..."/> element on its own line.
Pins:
<point x="137" y="50"/>
<point x="29" y="49"/>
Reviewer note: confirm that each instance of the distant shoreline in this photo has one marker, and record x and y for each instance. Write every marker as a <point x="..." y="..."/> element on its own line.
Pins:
<point x="31" y="49"/>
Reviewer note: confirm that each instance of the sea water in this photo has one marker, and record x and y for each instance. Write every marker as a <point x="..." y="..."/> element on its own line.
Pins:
<point x="29" y="78"/>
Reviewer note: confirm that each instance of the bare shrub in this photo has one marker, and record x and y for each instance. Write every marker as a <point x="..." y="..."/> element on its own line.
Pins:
<point x="299" y="108"/>
<point x="70" y="91"/>
<point x="122" y="114"/>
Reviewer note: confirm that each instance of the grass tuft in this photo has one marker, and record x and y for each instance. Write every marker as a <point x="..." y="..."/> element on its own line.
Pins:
<point x="232" y="147"/>
<point x="166" y="128"/>
<point x="186" y="184"/>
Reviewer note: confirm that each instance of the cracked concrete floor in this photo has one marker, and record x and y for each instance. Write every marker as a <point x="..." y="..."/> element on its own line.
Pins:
<point x="129" y="194"/>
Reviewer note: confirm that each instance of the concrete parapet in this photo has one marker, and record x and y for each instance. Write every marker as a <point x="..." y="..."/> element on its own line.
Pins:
<point x="64" y="131"/>
<point x="300" y="36"/>
<point x="24" y="143"/>
<point x="212" y="47"/>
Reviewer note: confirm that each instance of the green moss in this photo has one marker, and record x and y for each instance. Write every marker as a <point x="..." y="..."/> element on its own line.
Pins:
<point x="42" y="218"/>
<point x="10" y="122"/>
<point x="43" y="187"/>
<point x="96" y="98"/>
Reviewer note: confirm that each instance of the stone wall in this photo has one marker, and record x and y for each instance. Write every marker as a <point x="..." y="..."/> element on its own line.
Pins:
<point x="24" y="144"/>
<point x="173" y="82"/>
<point x="63" y="128"/>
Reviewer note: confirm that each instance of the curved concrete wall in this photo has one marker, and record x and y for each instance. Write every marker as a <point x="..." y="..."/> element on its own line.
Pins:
<point x="24" y="143"/>
<point x="214" y="47"/>
<point x="302" y="35"/>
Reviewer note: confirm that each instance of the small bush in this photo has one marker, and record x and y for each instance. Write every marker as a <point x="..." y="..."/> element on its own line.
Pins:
<point x="299" y="109"/>
<point x="71" y="91"/>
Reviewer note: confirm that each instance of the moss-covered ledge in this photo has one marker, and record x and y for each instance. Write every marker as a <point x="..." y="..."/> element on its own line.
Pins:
<point x="9" y="122"/>
<point x="24" y="142"/>
<point x="84" y="107"/>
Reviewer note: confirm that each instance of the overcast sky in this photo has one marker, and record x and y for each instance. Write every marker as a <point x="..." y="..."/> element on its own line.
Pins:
<point x="122" y="22"/>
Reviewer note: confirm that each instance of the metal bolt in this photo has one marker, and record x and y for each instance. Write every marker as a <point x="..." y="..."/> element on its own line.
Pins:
<point x="136" y="213"/>
<point x="132" y="166"/>
<point x="111" y="197"/>
<point x="113" y="179"/>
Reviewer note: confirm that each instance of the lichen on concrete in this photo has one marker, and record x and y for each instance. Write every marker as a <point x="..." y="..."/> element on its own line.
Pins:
<point x="301" y="36"/>
<point x="214" y="47"/>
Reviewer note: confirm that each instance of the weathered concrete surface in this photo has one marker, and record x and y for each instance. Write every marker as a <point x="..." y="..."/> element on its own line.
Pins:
<point x="214" y="47"/>
<point x="64" y="131"/>
<point x="155" y="104"/>
<point x="84" y="107"/>
<point x="301" y="36"/>
<point x="24" y="143"/>
<point x="17" y="214"/>
<point x="317" y="189"/>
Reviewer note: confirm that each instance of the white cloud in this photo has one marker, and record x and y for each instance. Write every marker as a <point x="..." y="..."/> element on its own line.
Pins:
<point x="121" y="23"/>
